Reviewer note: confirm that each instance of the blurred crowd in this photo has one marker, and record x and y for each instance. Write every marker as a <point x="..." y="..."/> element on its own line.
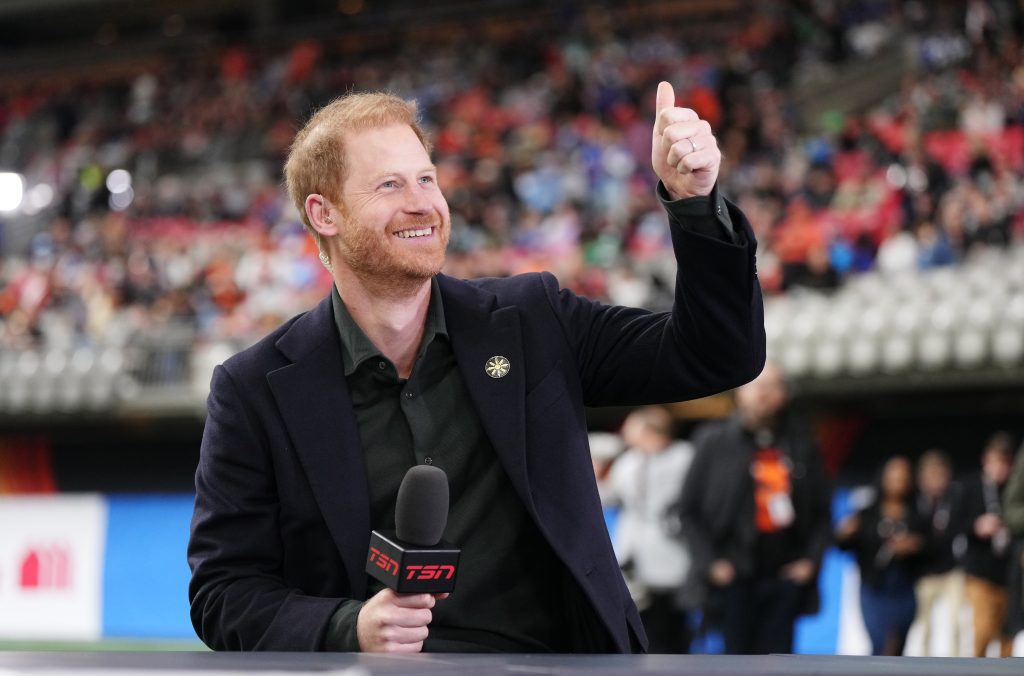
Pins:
<point x="726" y="533"/>
<point x="156" y="200"/>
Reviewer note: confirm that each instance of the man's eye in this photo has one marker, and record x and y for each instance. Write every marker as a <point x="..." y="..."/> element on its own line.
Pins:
<point x="389" y="184"/>
<point x="426" y="179"/>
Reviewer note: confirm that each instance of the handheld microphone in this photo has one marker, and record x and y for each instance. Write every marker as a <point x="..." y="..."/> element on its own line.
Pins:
<point x="413" y="559"/>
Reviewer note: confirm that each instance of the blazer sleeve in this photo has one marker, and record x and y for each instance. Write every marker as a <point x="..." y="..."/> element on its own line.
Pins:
<point x="693" y="521"/>
<point x="712" y="340"/>
<point x="1013" y="498"/>
<point x="972" y="506"/>
<point x="238" y="598"/>
<point x="854" y="542"/>
<point x="820" y="533"/>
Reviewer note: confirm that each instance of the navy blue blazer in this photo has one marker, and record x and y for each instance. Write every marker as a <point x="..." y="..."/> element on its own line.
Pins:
<point x="281" y="523"/>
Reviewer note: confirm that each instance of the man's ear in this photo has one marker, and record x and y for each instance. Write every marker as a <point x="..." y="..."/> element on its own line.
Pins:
<point x="322" y="215"/>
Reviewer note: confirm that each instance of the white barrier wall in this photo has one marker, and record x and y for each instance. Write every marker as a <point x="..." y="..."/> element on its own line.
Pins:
<point x="91" y="567"/>
<point x="51" y="567"/>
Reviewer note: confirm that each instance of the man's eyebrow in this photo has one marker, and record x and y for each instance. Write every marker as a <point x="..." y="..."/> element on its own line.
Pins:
<point x="385" y="174"/>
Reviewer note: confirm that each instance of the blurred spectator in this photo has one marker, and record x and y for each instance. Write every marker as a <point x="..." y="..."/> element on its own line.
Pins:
<point x="933" y="249"/>
<point x="938" y="504"/>
<point x="987" y="558"/>
<point x="605" y="447"/>
<point x="645" y="481"/>
<point x="1013" y="515"/>
<point x="815" y="272"/>
<point x="887" y="537"/>
<point x="755" y="509"/>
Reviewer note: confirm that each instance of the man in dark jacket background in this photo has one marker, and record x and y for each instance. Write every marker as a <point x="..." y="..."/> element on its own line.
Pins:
<point x="938" y="505"/>
<point x="755" y="509"/>
<point x="987" y="559"/>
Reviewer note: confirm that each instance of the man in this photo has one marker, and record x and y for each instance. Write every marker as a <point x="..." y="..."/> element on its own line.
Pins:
<point x="938" y="503"/>
<point x="1013" y="515"/>
<point x="987" y="560"/>
<point x="645" y="481"/>
<point x="311" y="430"/>
<point x="755" y="510"/>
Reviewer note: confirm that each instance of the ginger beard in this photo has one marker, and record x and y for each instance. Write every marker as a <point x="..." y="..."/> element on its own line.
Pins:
<point x="387" y="261"/>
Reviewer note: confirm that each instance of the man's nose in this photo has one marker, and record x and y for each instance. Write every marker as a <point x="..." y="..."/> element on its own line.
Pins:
<point x="416" y="201"/>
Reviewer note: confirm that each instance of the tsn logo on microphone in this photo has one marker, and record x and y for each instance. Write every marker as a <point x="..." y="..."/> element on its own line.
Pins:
<point x="426" y="572"/>
<point x="383" y="561"/>
<point x="432" y="572"/>
<point x="411" y="569"/>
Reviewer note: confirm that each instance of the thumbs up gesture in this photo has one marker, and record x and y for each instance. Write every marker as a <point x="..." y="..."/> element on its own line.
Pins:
<point x="684" y="152"/>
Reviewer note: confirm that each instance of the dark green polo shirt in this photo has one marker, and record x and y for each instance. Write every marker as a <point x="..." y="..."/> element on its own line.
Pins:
<point x="507" y="597"/>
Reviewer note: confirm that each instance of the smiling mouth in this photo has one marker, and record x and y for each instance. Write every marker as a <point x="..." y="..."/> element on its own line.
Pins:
<point x="414" y="233"/>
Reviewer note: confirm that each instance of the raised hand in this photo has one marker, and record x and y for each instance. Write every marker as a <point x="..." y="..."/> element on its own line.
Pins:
<point x="684" y="152"/>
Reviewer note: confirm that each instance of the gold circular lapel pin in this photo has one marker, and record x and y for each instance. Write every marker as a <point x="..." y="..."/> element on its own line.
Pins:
<point x="497" y="366"/>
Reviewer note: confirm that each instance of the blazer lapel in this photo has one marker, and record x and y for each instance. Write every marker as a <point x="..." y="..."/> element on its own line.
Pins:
<point x="314" y="401"/>
<point x="479" y="332"/>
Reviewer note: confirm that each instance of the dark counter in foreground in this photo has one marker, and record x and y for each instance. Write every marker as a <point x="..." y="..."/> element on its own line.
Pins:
<point x="601" y="665"/>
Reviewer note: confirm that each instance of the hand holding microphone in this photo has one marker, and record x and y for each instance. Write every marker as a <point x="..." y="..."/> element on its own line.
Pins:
<point x="394" y="623"/>
<point x="413" y="563"/>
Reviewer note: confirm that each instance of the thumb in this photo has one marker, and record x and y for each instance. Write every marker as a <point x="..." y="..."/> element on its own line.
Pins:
<point x="666" y="97"/>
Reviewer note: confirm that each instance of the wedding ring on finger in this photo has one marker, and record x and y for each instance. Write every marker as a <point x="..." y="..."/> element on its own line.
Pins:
<point x="694" y="147"/>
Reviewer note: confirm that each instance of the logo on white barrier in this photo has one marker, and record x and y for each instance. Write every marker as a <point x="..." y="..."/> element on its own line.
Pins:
<point x="51" y="567"/>
<point x="46" y="567"/>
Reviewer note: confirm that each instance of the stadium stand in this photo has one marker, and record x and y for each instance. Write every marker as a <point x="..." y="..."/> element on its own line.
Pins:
<point x="149" y="215"/>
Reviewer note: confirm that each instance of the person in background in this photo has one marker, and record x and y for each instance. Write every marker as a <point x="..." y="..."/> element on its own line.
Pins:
<point x="987" y="558"/>
<point x="1013" y="516"/>
<point x="938" y="500"/>
<point x="645" y="481"/>
<point x="887" y="537"/>
<point x="755" y="509"/>
<point x="605" y="447"/>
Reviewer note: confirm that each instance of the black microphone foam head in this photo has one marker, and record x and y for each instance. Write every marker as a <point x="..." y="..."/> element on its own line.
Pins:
<point x="421" y="510"/>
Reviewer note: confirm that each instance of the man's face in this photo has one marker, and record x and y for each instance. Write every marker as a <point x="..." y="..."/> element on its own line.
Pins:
<point x="896" y="477"/>
<point x="760" y="400"/>
<point x="996" y="465"/>
<point x="394" y="220"/>
<point x="933" y="478"/>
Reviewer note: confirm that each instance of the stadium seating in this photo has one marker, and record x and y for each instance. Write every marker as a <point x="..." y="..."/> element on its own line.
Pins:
<point x="145" y="227"/>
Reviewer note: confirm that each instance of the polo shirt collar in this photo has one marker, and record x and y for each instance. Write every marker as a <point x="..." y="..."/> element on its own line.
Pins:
<point x="356" y="347"/>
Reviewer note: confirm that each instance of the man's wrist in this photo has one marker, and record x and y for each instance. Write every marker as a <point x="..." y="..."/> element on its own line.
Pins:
<point x="704" y="214"/>
<point x="341" y="633"/>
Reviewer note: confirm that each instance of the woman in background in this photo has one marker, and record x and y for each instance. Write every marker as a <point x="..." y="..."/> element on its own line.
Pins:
<point x="886" y="537"/>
